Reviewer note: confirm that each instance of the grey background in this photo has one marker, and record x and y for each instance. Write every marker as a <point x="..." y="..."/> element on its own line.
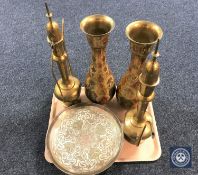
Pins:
<point x="26" y="85"/>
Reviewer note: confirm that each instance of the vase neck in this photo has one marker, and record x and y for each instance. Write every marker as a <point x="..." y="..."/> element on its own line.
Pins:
<point x="99" y="56"/>
<point x="136" y="64"/>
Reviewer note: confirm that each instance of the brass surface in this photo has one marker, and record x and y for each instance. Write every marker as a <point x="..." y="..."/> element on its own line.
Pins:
<point x="143" y="35"/>
<point x="138" y="123"/>
<point x="85" y="139"/>
<point x="67" y="89"/>
<point x="99" y="83"/>
<point x="133" y="129"/>
<point x="70" y="92"/>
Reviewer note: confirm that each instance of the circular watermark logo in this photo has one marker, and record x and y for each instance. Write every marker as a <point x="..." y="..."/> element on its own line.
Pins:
<point x="180" y="157"/>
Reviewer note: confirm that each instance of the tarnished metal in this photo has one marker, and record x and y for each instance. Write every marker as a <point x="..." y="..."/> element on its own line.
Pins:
<point x="139" y="123"/>
<point x="67" y="89"/>
<point x="85" y="139"/>
<point x="99" y="83"/>
<point x="143" y="35"/>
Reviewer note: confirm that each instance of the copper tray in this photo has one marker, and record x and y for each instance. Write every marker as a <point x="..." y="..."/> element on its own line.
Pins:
<point x="149" y="150"/>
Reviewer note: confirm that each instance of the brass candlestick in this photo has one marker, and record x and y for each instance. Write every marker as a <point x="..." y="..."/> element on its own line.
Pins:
<point x="143" y="35"/>
<point x="68" y="87"/>
<point x="138" y="122"/>
<point x="99" y="83"/>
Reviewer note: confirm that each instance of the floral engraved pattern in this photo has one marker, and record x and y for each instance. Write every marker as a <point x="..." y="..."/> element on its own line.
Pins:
<point x="86" y="140"/>
<point x="99" y="83"/>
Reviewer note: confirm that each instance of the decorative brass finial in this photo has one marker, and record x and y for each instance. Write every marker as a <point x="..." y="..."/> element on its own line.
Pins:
<point x="138" y="122"/>
<point x="49" y="15"/>
<point x="155" y="54"/>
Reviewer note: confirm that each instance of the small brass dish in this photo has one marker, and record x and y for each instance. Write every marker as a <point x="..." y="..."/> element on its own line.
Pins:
<point x="85" y="139"/>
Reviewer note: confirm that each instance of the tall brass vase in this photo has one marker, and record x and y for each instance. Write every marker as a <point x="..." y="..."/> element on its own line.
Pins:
<point x="99" y="83"/>
<point x="143" y="35"/>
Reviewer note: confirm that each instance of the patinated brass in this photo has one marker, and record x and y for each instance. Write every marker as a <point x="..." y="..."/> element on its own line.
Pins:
<point x="99" y="83"/>
<point x="85" y="139"/>
<point x="68" y="87"/>
<point x="143" y="35"/>
<point x="138" y="122"/>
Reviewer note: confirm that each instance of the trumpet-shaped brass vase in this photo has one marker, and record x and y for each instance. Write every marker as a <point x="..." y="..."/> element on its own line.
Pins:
<point x="142" y="35"/>
<point x="99" y="83"/>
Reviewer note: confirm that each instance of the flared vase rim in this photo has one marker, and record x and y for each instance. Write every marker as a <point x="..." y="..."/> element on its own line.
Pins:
<point x="160" y="32"/>
<point x="97" y="15"/>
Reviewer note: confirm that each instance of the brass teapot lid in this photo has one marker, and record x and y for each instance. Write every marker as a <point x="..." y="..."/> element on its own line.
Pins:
<point x="85" y="139"/>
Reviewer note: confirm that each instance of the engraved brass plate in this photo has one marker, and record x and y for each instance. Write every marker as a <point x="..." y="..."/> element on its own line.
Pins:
<point x="85" y="139"/>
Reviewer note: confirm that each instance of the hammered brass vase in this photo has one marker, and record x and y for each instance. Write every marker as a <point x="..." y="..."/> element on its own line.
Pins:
<point x="99" y="83"/>
<point x="143" y="35"/>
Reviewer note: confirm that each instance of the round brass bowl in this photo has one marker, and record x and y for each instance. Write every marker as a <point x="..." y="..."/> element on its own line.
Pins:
<point x="85" y="139"/>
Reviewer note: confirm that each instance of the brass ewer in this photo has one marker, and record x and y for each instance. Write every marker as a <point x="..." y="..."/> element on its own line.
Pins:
<point x="68" y="87"/>
<point x="99" y="83"/>
<point x="143" y="35"/>
<point x="138" y="122"/>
